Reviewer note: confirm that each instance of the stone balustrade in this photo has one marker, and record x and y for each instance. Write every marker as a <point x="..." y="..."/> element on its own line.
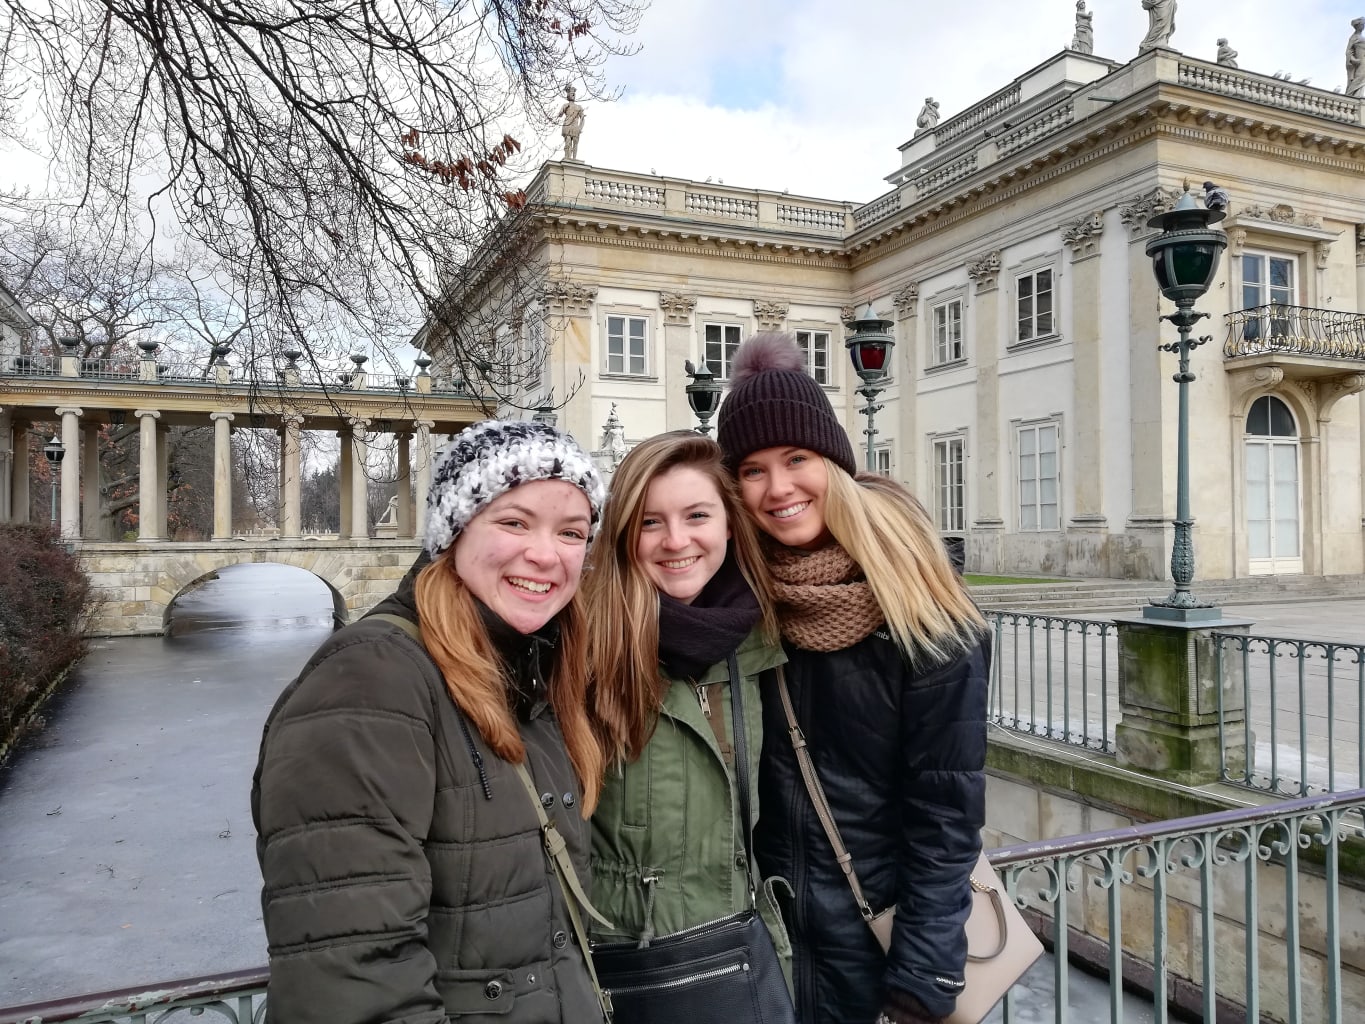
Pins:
<point x="974" y="117"/>
<point x="625" y="193"/>
<point x="940" y="178"/>
<point x="1039" y="128"/>
<point x="1271" y="91"/>
<point x="716" y="205"/>
<point x="877" y="209"/>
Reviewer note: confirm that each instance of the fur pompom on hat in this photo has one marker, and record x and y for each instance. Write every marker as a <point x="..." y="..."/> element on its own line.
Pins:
<point x="490" y="458"/>
<point x="773" y="402"/>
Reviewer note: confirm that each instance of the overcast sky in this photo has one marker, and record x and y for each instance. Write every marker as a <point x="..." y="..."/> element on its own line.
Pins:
<point x="815" y="96"/>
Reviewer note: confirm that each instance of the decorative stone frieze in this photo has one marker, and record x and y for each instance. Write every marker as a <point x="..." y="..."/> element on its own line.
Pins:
<point x="906" y="300"/>
<point x="1324" y="253"/>
<point x="1280" y="213"/>
<point x="985" y="271"/>
<point x="770" y="314"/>
<point x="677" y="307"/>
<point x="568" y="296"/>
<point x="1360" y="245"/>
<point x="846" y="314"/>
<point x="1083" y="236"/>
<point x="1237" y="240"/>
<point x="1138" y="210"/>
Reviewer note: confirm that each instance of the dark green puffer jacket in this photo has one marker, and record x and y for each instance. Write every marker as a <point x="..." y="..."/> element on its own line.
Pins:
<point x="405" y="877"/>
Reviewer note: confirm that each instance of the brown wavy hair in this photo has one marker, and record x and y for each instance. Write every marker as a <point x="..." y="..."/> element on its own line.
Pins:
<point x="628" y="685"/>
<point x="456" y="638"/>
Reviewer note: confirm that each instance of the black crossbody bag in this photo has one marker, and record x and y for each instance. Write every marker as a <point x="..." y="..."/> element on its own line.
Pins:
<point x="726" y="970"/>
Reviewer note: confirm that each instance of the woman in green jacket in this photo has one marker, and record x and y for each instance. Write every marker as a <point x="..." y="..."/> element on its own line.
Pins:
<point x="677" y="595"/>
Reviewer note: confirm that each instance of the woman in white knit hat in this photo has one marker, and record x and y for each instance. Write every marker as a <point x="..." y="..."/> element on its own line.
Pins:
<point x="416" y="779"/>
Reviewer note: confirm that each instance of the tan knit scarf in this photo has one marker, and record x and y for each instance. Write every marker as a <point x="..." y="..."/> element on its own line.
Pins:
<point x="823" y="600"/>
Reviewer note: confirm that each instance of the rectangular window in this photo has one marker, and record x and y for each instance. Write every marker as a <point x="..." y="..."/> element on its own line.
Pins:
<point x="950" y="491"/>
<point x="626" y="348"/>
<point x="814" y="345"/>
<point x="721" y="342"/>
<point x="1039" y="477"/>
<point x="882" y="458"/>
<point x="948" y="347"/>
<point x="1034" y="293"/>
<point x="1267" y="280"/>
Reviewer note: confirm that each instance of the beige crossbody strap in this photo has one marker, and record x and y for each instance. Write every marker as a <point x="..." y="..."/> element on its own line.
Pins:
<point x="817" y="797"/>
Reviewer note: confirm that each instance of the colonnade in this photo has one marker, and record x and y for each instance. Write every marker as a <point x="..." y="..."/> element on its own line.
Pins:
<point x="79" y="514"/>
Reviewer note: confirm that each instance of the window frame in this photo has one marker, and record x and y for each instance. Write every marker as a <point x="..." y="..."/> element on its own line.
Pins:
<point x="721" y="369"/>
<point x="1048" y="262"/>
<point x="1037" y="505"/>
<point x="940" y="347"/>
<point x="944" y="519"/>
<point x="884" y="452"/>
<point x="1265" y="286"/>
<point x="829" y="333"/>
<point x="627" y="314"/>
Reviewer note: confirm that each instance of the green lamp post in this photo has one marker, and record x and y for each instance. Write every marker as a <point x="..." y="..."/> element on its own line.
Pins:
<point x="870" y="349"/>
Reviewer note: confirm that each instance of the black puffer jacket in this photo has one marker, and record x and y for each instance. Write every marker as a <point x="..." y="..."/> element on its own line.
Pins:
<point x="405" y="875"/>
<point x="901" y="755"/>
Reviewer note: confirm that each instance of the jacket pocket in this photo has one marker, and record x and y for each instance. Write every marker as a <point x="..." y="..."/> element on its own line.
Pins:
<point x="470" y="993"/>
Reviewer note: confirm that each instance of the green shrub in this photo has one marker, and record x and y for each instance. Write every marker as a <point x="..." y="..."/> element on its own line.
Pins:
<point x="43" y="599"/>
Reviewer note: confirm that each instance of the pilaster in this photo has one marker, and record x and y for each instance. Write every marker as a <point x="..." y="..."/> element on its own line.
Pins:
<point x="1083" y="237"/>
<point x="906" y="304"/>
<point x="90" y="481"/>
<point x="71" y="471"/>
<point x="568" y="305"/>
<point x="677" y="310"/>
<point x="163" y="480"/>
<point x="6" y="463"/>
<point x="988" y="526"/>
<point x="148" y="529"/>
<point x="222" y="475"/>
<point x="19" y="478"/>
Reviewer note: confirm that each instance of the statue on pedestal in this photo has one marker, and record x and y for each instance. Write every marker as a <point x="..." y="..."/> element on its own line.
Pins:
<point x="1227" y="56"/>
<point x="1084" y="39"/>
<point x="1160" y="24"/>
<point x="573" y="116"/>
<point x="1355" y="59"/>
<point x="928" y="115"/>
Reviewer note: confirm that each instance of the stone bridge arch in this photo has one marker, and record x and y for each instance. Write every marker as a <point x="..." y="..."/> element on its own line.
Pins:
<point x="134" y="585"/>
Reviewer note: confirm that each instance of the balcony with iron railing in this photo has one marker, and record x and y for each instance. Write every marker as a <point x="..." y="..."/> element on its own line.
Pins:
<point x="1301" y="331"/>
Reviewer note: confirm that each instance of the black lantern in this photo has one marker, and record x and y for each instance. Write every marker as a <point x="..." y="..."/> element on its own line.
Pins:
<point x="1185" y="254"/>
<point x="116" y="417"/>
<point x="870" y="345"/>
<point x="703" y="394"/>
<point x="54" y="450"/>
<point x="545" y="412"/>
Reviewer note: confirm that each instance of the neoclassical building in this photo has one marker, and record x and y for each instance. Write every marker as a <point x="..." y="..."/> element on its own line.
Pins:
<point x="1030" y="404"/>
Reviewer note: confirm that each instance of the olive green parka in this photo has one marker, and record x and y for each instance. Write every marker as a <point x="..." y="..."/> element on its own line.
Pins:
<point x="667" y="847"/>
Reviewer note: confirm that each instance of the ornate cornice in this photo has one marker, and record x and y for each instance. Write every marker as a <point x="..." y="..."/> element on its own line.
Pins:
<point x="770" y="314"/>
<point x="1084" y="235"/>
<point x="677" y="307"/>
<point x="906" y="300"/>
<point x="985" y="271"/>
<point x="568" y="296"/>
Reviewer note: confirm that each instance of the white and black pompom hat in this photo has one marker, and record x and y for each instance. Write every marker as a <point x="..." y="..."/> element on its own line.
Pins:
<point x="489" y="459"/>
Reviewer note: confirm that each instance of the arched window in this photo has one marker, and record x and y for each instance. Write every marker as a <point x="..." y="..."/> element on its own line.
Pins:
<point x="1272" y="488"/>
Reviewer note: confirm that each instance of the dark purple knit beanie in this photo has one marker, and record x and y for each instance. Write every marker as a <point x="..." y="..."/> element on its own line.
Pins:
<point x="773" y="402"/>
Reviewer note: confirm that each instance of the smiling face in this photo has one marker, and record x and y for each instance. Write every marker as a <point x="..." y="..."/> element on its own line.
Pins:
<point x="522" y="555"/>
<point x="785" y="489"/>
<point x="684" y="533"/>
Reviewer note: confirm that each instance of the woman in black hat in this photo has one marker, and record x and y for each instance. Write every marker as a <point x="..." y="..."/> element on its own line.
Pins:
<point x="887" y="671"/>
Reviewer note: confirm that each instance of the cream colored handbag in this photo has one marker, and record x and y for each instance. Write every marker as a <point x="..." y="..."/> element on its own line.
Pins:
<point x="1000" y="944"/>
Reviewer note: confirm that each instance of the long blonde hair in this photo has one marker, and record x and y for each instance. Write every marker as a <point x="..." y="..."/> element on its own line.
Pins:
<point x="886" y="530"/>
<point x="455" y="636"/>
<point x="627" y="684"/>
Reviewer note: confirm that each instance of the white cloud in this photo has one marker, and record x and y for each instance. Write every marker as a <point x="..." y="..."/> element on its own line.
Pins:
<point x="845" y="81"/>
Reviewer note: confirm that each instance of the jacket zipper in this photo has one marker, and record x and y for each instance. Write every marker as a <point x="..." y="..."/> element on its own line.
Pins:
<point x="803" y="976"/>
<point x="719" y="972"/>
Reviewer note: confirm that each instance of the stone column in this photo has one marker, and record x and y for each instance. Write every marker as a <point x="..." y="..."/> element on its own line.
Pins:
<point x="6" y="463"/>
<point x="404" y="484"/>
<point x="1088" y="522"/>
<point x="569" y="306"/>
<point x="906" y="376"/>
<point x="222" y="475"/>
<point x="19" y="486"/>
<point x="163" y="480"/>
<point x="71" y="472"/>
<point x="424" y="461"/>
<point x="677" y="309"/>
<point x="360" y="478"/>
<point x="148" y="506"/>
<point x="984" y="550"/>
<point x="291" y="519"/>
<point x="344" y="482"/>
<point x="90" y="482"/>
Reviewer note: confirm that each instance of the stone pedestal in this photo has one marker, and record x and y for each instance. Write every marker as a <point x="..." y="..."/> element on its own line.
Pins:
<point x="1168" y="698"/>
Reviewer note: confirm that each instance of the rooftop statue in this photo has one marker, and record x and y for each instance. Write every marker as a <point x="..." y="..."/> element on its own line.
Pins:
<point x="1355" y="59"/>
<point x="1084" y="39"/>
<point x="573" y="116"/>
<point x="1161" y="24"/>
<point x="1227" y="56"/>
<point x="928" y="115"/>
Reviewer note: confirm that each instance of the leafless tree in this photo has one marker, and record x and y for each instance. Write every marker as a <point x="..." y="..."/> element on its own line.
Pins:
<point x="340" y="159"/>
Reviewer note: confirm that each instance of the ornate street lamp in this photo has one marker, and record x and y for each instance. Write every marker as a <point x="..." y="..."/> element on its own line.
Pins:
<point x="870" y="349"/>
<point x="54" y="450"/>
<point x="703" y="394"/>
<point x="1184" y="260"/>
<point x="545" y="412"/>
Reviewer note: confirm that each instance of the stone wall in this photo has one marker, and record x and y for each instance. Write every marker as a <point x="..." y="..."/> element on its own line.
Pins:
<point x="134" y="584"/>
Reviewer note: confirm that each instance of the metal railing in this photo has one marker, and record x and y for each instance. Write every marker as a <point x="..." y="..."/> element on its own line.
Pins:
<point x="1052" y="677"/>
<point x="31" y="366"/>
<point x="1305" y="712"/>
<point x="237" y="998"/>
<point x="1202" y="911"/>
<point x="109" y="369"/>
<point x="1296" y="330"/>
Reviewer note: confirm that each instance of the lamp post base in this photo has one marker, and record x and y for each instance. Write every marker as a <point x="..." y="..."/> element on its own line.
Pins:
<point x="1155" y="612"/>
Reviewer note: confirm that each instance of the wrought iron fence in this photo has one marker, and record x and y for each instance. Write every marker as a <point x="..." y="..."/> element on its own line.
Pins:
<point x="1230" y="914"/>
<point x="1300" y="330"/>
<point x="1305" y="712"/>
<point x="30" y="366"/>
<point x="1051" y="677"/>
<point x="109" y="369"/>
<point x="237" y="998"/>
